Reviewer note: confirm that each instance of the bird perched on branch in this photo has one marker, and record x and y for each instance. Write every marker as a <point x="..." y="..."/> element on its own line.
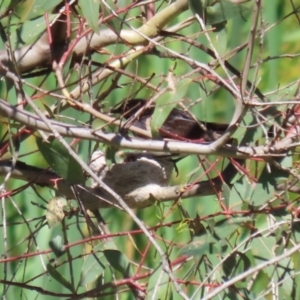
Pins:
<point x="141" y="177"/>
<point x="178" y="125"/>
<point x="137" y="179"/>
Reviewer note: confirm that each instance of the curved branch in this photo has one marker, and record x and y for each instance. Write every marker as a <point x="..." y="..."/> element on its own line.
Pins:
<point x="39" y="54"/>
<point x="150" y="29"/>
<point x="119" y="141"/>
<point x="95" y="198"/>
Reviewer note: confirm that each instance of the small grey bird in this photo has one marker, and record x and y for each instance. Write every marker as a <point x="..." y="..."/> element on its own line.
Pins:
<point x="137" y="178"/>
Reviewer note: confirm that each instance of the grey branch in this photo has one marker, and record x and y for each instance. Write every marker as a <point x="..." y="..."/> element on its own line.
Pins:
<point x="40" y="54"/>
<point x="177" y="147"/>
<point x="126" y="179"/>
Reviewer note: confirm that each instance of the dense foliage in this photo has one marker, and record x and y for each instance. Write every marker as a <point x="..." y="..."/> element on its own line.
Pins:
<point x="226" y="224"/>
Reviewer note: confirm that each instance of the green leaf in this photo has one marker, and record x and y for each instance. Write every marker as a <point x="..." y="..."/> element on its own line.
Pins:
<point x="61" y="161"/>
<point x="201" y="246"/>
<point x="198" y="7"/>
<point x="90" y="11"/>
<point x="217" y="11"/>
<point x="229" y="265"/>
<point x="263" y="248"/>
<point x="57" y="246"/>
<point x="226" y="227"/>
<point x="260" y="282"/>
<point x="236" y="262"/>
<point x="118" y="261"/>
<point x="160" y="115"/>
<point x="39" y="7"/>
<point x="110" y="155"/>
<point x="223" y="11"/>
<point x="245" y="263"/>
<point x="159" y="278"/>
<point x="259" y="193"/>
<point x="115" y="24"/>
<point x="226" y="195"/>
<point x="59" y="278"/>
<point x="219" y="40"/>
<point x="95" y="264"/>
<point x="30" y="31"/>
<point x="93" y="267"/>
<point x="166" y="103"/>
<point x="296" y="263"/>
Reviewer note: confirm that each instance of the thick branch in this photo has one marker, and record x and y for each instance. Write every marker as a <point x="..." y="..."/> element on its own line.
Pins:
<point x="96" y="41"/>
<point x="39" y="54"/>
<point x="95" y="198"/>
<point x="119" y="141"/>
